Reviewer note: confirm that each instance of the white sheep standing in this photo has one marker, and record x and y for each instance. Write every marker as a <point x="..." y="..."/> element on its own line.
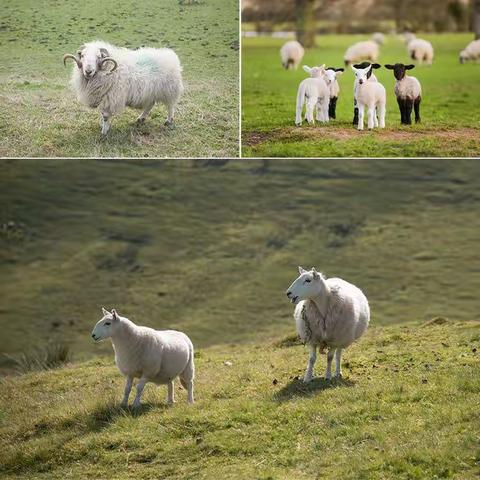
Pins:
<point x="367" y="50"/>
<point x="291" y="54"/>
<point x="330" y="76"/>
<point x="373" y="78"/>
<point x="315" y="92"/>
<point x="370" y="94"/>
<point x="408" y="92"/>
<point x="157" y="356"/>
<point x="420" y="50"/>
<point x="112" y="78"/>
<point x="471" y="52"/>
<point x="329" y="313"/>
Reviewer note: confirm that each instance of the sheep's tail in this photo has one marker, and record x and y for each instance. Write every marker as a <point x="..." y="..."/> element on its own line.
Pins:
<point x="300" y="103"/>
<point x="190" y="368"/>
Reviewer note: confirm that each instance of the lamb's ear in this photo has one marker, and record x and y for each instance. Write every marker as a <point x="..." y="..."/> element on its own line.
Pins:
<point x="301" y="270"/>
<point x="390" y="67"/>
<point x="321" y="67"/>
<point x="376" y="65"/>
<point x="339" y="70"/>
<point x="104" y="52"/>
<point x="105" y="312"/>
<point x="353" y="67"/>
<point x="307" y="68"/>
<point x="409" y="67"/>
<point x="114" y="314"/>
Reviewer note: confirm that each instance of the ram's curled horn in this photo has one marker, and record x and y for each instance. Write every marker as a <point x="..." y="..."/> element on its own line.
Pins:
<point x="73" y="57"/>
<point x="109" y="59"/>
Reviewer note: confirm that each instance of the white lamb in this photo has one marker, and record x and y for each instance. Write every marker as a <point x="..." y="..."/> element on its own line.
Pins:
<point x="113" y="78"/>
<point x="367" y="50"/>
<point x="291" y="54"/>
<point x="370" y="94"/>
<point x="315" y="92"/>
<point x="372" y="78"/>
<point x="420" y="50"/>
<point x="157" y="356"/>
<point x="471" y="52"/>
<point x="331" y="74"/>
<point x="329" y="313"/>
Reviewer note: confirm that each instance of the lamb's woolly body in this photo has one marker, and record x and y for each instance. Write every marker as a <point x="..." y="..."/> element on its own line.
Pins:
<point x="291" y="54"/>
<point x="143" y="77"/>
<point x="471" y="52"/>
<point x="315" y="93"/>
<point x="373" y="96"/>
<point x="408" y="88"/>
<point x="420" y="50"/>
<point x="373" y="78"/>
<point x="367" y="50"/>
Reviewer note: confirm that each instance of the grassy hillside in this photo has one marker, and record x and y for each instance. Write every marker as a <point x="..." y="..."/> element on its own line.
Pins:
<point x="407" y="408"/>
<point x="212" y="249"/>
<point x="39" y="115"/>
<point x="451" y="102"/>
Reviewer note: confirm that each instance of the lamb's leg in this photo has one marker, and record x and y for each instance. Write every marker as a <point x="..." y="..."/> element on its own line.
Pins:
<point x="332" y="107"/>
<point x="408" y="110"/>
<point x="371" y="115"/>
<point x="381" y="115"/>
<point x="105" y="122"/>
<point x="326" y="102"/>
<point x="361" y="115"/>
<point x="311" y="362"/>
<point x="401" y="106"/>
<point x="375" y="118"/>
<point x="145" y="113"/>
<point x="190" y="391"/>
<point x="140" y="386"/>
<point x="328" y="373"/>
<point x="128" y="388"/>
<point x="338" y="365"/>
<point x="417" y="109"/>
<point x="310" y="107"/>
<point x="171" y="393"/>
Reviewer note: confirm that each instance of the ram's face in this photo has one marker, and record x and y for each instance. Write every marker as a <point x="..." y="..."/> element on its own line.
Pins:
<point x="91" y="59"/>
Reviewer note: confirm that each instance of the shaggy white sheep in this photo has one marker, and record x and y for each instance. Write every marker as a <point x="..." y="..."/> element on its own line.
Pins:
<point x="291" y="54"/>
<point x="408" y="91"/>
<point x="113" y="78"/>
<point x="367" y="50"/>
<point x="370" y="94"/>
<point x="329" y="313"/>
<point x="378" y="38"/>
<point x="331" y="74"/>
<point x="157" y="356"/>
<point x="471" y="52"/>
<point x="315" y="92"/>
<point x="420" y="50"/>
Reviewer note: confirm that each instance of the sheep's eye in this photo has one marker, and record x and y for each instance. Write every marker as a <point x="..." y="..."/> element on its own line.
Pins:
<point x="308" y="280"/>
<point x="107" y="323"/>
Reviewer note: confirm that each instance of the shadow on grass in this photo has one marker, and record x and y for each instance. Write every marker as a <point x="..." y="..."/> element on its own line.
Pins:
<point x="297" y="388"/>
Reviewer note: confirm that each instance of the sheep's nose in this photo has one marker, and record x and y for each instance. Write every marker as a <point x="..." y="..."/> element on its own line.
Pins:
<point x="360" y="82"/>
<point x="88" y="71"/>
<point x="288" y="294"/>
<point x="93" y="335"/>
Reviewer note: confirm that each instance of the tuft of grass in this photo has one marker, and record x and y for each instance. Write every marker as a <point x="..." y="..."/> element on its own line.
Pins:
<point x="390" y="416"/>
<point x="53" y="355"/>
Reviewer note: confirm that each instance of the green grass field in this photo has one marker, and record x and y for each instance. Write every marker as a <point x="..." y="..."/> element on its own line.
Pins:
<point x="450" y="107"/>
<point x="407" y="408"/>
<point x="40" y="116"/>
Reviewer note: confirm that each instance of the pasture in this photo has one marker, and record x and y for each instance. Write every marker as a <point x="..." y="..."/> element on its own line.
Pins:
<point x="40" y="116"/>
<point x="450" y="107"/>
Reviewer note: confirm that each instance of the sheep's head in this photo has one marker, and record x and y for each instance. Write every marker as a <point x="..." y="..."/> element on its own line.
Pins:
<point x="399" y="70"/>
<point x="315" y="72"/>
<point x="91" y="58"/>
<point x="331" y="74"/>
<point x="463" y="56"/>
<point x="309" y="284"/>
<point x="107" y="326"/>
<point x="363" y="71"/>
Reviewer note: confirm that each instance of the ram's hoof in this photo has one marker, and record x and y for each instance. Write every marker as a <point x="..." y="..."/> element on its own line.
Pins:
<point x="140" y="121"/>
<point x="169" y="123"/>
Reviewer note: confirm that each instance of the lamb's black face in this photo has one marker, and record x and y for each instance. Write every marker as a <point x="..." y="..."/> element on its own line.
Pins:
<point x="399" y="70"/>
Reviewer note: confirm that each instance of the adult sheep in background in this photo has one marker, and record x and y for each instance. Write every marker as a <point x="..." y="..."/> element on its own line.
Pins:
<point x="420" y="50"/>
<point x="112" y="78"/>
<point x="471" y="52"/>
<point x="157" y="356"/>
<point x="291" y="54"/>
<point x="329" y="313"/>
<point x="367" y="50"/>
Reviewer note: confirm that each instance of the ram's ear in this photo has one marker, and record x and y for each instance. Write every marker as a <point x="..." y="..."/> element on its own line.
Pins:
<point x="80" y="50"/>
<point x="376" y="65"/>
<point x="307" y="68"/>
<point x="106" y="313"/>
<point x="104" y="53"/>
<point x="301" y="270"/>
<point x="114" y="314"/>
<point x="409" y="67"/>
<point x="390" y="67"/>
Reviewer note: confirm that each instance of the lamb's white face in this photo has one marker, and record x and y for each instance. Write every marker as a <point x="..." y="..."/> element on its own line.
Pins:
<point x="106" y="326"/>
<point x="306" y="286"/>
<point x="331" y="75"/>
<point x="315" y="72"/>
<point x="362" y="74"/>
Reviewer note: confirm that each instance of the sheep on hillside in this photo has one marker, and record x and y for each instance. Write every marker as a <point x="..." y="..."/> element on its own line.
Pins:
<point x="157" y="356"/>
<point x="329" y="313"/>
<point x="291" y="54"/>
<point x="112" y="78"/>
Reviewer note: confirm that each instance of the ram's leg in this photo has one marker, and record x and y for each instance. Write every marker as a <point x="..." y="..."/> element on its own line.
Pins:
<point x="311" y="362"/>
<point x="171" y="393"/>
<point x="170" y="114"/>
<point x="338" y="363"/>
<point x="145" y="113"/>
<point x="361" y="115"/>
<point x="328" y="373"/>
<point x="128" y="389"/>
<point x="140" y="386"/>
<point x="104" y="121"/>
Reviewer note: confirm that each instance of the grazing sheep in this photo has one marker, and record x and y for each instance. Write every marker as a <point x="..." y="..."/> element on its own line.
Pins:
<point x="331" y="74"/>
<point x="373" y="78"/>
<point x="370" y="94"/>
<point x="329" y="313"/>
<point x="157" y="356"/>
<point x="367" y="50"/>
<point x="316" y="93"/>
<point x="471" y="52"/>
<point x="408" y="91"/>
<point x="113" y="78"/>
<point x="378" y="38"/>
<point x="420" y="50"/>
<point x="291" y="54"/>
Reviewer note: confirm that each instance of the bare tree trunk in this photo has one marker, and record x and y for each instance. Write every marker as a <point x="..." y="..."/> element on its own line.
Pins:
<point x="305" y="22"/>
<point x="476" y="18"/>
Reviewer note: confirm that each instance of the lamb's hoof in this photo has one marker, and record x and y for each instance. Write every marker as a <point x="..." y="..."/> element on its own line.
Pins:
<point x="124" y="405"/>
<point x="307" y="379"/>
<point x="328" y="378"/>
<point x="136" y="405"/>
<point x="298" y="124"/>
<point x="338" y="376"/>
